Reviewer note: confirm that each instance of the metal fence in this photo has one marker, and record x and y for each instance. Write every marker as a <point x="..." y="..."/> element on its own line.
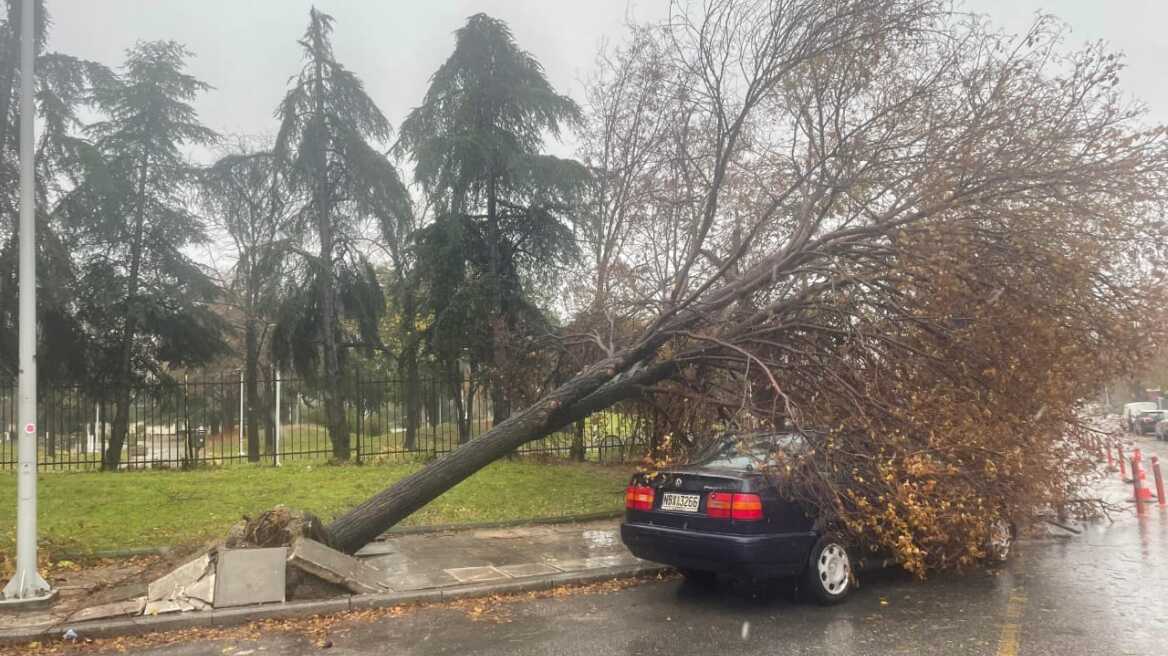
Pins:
<point x="205" y="422"/>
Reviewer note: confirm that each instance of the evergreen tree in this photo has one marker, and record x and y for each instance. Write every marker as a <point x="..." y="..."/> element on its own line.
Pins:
<point x="504" y="209"/>
<point x="145" y="304"/>
<point x="328" y="128"/>
<point x="63" y="86"/>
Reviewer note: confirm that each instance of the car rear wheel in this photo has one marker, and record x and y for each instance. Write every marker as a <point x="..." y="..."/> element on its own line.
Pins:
<point x="828" y="578"/>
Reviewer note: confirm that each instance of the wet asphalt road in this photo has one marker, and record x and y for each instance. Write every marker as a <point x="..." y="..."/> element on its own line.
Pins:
<point x="1102" y="592"/>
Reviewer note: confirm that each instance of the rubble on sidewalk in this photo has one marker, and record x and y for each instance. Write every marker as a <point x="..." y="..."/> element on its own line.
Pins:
<point x="107" y="611"/>
<point x="190" y="587"/>
<point x="250" y="576"/>
<point x="335" y="567"/>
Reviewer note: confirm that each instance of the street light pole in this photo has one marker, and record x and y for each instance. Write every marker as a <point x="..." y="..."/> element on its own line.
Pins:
<point x="27" y="586"/>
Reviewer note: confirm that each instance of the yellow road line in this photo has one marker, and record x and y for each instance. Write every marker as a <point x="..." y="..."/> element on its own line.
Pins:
<point x="1008" y="640"/>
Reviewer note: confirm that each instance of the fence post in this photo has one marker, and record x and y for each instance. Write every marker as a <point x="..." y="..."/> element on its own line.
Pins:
<point x="241" y="412"/>
<point x="360" y="413"/>
<point x="276" y="454"/>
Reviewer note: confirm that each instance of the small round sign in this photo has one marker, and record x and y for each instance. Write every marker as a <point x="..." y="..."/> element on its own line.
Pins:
<point x="30" y="428"/>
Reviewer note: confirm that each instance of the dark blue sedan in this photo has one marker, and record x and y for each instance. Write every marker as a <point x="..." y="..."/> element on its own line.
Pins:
<point x="720" y="514"/>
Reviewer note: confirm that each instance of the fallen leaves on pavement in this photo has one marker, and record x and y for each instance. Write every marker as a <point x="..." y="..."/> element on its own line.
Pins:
<point x="320" y="630"/>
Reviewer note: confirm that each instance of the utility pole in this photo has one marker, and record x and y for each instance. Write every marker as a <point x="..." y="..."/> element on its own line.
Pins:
<point x="27" y="587"/>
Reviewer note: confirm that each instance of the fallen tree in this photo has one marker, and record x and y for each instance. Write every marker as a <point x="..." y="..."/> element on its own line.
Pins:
<point x="878" y="217"/>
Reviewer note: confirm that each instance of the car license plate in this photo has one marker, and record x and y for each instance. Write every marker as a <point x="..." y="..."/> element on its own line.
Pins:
<point x="680" y="502"/>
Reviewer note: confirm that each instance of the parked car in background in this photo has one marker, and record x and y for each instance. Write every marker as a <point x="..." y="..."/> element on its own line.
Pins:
<point x="1132" y="410"/>
<point x="1161" y="430"/>
<point x="722" y="514"/>
<point x="1146" y="421"/>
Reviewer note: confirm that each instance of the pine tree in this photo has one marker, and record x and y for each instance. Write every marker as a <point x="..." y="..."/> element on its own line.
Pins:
<point x="63" y="86"/>
<point x="328" y="128"/>
<point x="145" y="304"/>
<point x="504" y="210"/>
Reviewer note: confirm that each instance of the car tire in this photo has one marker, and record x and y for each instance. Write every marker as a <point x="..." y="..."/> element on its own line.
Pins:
<point x="828" y="578"/>
<point x="699" y="577"/>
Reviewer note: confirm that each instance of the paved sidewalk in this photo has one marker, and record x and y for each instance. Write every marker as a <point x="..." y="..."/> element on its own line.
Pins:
<point x="435" y="560"/>
<point x="416" y="567"/>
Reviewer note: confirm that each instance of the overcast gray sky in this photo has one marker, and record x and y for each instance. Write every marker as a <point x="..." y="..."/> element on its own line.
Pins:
<point x="247" y="48"/>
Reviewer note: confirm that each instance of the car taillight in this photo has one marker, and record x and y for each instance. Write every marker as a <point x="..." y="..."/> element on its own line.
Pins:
<point x="746" y="507"/>
<point x="742" y="507"/>
<point x="638" y="497"/>
<point x="718" y="504"/>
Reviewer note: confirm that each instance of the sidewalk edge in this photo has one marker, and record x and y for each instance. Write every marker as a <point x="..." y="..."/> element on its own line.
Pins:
<point x="225" y="617"/>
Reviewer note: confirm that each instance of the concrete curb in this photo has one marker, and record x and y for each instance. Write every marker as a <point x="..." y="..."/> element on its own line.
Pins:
<point x="225" y="617"/>
<point x="395" y="531"/>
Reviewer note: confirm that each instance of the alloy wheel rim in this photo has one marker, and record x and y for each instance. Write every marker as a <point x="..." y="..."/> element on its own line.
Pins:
<point x="834" y="569"/>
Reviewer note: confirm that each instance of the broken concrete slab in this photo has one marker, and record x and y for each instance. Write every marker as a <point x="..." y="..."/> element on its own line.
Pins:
<point x="189" y="575"/>
<point x="335" y="567"/>
<point x="165" y="606"/>
<point x="250" y="576"/>
<point x="106" y="611"/>
<point x="302" y="586"/>
<point x="203" y="591"/>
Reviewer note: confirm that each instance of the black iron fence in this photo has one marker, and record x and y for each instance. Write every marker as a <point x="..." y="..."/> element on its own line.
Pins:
<point x="209" y="422"/>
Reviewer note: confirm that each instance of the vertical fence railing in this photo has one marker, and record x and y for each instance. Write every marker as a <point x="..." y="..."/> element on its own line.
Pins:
<point x="204" y="422"/>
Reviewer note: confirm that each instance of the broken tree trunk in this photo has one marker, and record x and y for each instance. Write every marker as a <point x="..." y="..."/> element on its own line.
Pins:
<point x="593" y="389"/>
<point x="618" y="377"/>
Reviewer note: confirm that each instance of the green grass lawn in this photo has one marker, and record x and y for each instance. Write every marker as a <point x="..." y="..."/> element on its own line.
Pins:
<point x="83" y="512"/>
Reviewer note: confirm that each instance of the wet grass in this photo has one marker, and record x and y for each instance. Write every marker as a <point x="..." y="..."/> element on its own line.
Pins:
<point x="83" y="512"/>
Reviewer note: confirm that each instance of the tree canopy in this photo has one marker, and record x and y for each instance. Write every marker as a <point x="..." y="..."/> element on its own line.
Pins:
<point x="145" y="303"/>
<point x="504" y="211"/>
<point x="328" y="130"/>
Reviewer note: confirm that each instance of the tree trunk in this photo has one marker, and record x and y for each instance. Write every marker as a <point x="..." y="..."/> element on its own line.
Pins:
<point x="113" y="455"/>
<point x="252" y="365"/>
<point x="500" y="404"/>
<point x="591" y="390"/>
<point x="432" y="399"/>
<point x="577" y="450"/>
<point x="268" y="411"/>
<point x="334" y="404"/>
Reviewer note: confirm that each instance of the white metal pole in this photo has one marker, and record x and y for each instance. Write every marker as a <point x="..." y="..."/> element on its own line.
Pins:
<point x="97" y="428"/>
<point x="26" y="585"/>
<point x="277" y="417"/>
<point x="241" y="412"/>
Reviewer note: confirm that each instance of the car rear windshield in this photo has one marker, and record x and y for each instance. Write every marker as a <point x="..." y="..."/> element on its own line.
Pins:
<point x="749" y="452"/>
